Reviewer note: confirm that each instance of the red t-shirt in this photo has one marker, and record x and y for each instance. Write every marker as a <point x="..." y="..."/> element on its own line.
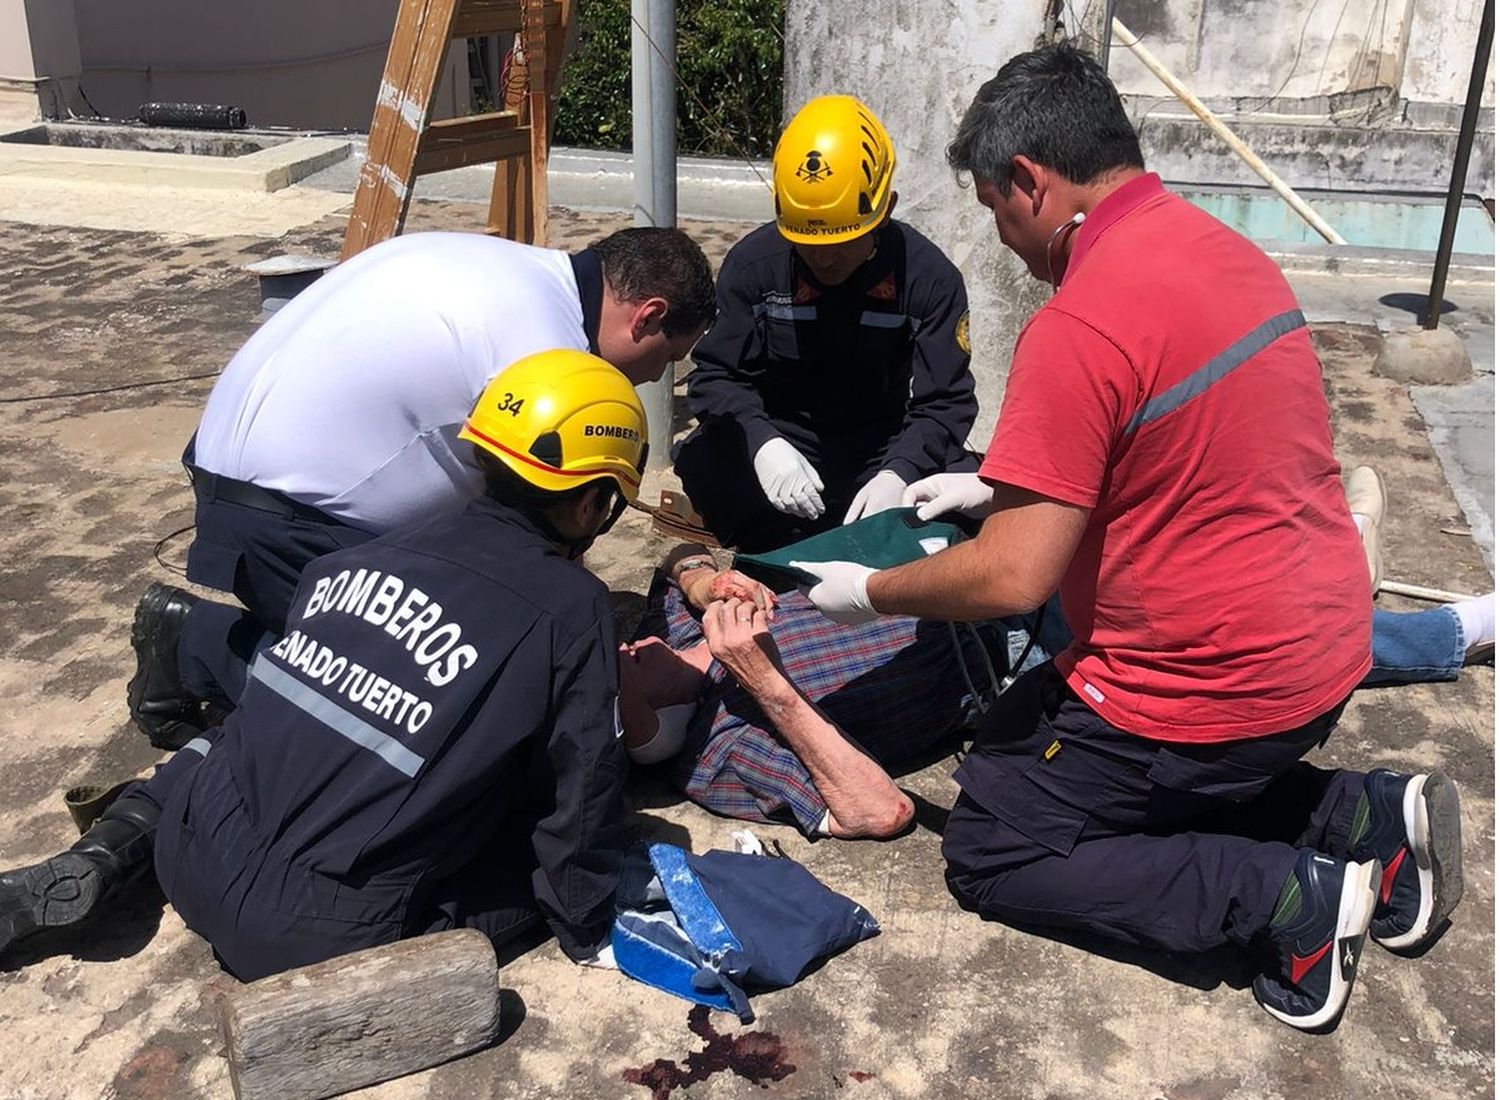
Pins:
<point x="1220" y="590"/>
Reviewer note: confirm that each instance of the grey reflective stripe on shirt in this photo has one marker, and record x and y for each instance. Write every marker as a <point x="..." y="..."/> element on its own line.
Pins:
<point x="198" y="745"/>
<point x="1220" y="366"/>
<point x="882" y="320"/>
<point x="336" y="718"/>
<point x="778" y="312"/>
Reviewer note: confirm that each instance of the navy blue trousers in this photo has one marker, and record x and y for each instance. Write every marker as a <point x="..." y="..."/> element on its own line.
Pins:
<point x="1066" y="822"/>
<point x="263" y="912"/>
<point x="258" y="555"/>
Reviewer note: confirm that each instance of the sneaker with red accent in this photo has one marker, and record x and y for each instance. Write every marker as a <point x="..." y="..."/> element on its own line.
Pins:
<point x="1318" y="933"/>
<point x="1411" y="824"/>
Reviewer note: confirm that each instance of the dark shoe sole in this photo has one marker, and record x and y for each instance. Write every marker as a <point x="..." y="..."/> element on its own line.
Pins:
<point x="1434" y="834"/>
<point x="54" y="894"/>
<point x="168" y="724"/>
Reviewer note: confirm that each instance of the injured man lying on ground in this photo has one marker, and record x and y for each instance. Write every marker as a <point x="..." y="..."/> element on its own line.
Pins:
<point x="763" y="709"/>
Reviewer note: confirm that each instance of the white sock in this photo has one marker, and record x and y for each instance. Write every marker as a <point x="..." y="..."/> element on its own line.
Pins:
<point x="1362" y="522"/>
<point x="1476" y="617"/>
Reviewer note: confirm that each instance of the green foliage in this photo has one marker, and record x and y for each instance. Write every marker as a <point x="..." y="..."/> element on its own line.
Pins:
<point x="729" y="77"/>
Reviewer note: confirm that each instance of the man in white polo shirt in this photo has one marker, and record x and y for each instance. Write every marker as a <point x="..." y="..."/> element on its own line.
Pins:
<point x="336" y="421"/>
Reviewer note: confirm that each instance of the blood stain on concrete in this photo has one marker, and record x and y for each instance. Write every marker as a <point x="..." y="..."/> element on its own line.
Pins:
<point x="757" y="1056"/>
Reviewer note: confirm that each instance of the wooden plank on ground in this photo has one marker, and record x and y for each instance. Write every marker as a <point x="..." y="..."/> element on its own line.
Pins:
<point x="363" y="1018"/>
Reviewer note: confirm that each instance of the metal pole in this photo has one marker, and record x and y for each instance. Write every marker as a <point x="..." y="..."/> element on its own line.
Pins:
<point x="1106" y="36"/>
<point x="1460" y="164"/>
<point x="663" y="28"/>
<point x="655" y="396"/>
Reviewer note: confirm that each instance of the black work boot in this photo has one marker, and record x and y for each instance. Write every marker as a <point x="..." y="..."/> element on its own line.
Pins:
<point x="66" y="889"/>
<point x="160" y="708"/>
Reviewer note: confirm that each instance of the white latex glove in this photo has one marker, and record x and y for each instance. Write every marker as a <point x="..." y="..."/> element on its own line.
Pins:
<point x="840" y="592"/>
<point x="882" y="491"/>
<point x="788" y="479"/>
<point x="942" y="493"/>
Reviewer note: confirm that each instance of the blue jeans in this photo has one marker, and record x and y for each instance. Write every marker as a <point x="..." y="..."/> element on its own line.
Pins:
<point x="1416" y="647"/>
<point x="1407" y="647"/>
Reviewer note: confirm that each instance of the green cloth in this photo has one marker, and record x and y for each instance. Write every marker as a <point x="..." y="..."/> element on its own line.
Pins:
<point x="892" y="537"/>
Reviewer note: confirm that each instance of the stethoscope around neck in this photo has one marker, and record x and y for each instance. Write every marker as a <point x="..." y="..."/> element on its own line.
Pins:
<point x="1065" y="230"/>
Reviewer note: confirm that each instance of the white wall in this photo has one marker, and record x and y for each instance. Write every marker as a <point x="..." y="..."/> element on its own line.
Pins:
<point x="917" y="63"/>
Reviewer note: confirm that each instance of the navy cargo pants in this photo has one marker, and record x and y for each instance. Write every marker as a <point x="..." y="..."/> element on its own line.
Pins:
<point x="1065" y="821"/>
<point x="254" y="543"/>
<point x="264" y="912"/>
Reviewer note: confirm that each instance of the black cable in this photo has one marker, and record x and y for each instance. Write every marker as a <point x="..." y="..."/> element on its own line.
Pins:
<point x="108" y="389"/>
<point x="1033" y="633"/>
<point x="161" y="544"/>
<point x="87" y="102"/>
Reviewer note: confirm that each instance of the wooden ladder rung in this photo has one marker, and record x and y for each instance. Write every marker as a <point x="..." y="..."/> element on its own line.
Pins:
<point x="477" y="139"/>
<point x="498" y="17"/>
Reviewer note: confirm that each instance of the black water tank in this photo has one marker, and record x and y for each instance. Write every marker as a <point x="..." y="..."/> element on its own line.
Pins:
<point x="193" y="116"/>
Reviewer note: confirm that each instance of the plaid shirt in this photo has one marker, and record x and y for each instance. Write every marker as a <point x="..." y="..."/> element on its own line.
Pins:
<point x="895" y="686"/>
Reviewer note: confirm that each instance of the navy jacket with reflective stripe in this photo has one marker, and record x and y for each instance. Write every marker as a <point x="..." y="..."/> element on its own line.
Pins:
<point x="859" y="377"/>
<point x="438" y="689"/>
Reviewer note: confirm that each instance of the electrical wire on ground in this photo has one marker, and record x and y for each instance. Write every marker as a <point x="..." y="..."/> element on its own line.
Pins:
<point x="28" y="398"/>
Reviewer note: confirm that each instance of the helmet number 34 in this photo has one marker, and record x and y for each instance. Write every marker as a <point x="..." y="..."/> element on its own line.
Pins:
<point x="510" y="403"/>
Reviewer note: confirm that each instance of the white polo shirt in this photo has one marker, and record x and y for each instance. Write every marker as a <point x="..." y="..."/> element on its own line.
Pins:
<point x="350" y="397"/>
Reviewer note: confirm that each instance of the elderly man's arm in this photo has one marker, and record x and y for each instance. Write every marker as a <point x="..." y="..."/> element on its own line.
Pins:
<point x="862" y="799"/>
<point x="691" y="567"/>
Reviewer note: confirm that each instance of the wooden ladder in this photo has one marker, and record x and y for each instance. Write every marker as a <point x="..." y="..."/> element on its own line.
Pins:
<point x="405" y="143"/>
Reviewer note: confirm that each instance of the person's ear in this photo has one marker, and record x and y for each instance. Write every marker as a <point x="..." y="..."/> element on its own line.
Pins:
<point x="1031" y="178"/>
<point x="646" y="318"/>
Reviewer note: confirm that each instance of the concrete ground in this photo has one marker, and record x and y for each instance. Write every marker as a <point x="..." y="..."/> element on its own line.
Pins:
<point x="941" y="1004"/>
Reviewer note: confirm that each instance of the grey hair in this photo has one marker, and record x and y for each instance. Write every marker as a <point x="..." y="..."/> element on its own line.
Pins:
<point x="1054" y="105"/>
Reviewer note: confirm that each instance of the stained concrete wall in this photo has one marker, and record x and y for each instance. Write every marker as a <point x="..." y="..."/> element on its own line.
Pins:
<point x="1287" y="50"/>
<point x="287" y="62"/>
<point x="1440" y="51"/>
<point x="917" y="63"/>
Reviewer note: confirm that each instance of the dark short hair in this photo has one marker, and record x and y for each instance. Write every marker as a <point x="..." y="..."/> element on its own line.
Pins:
<point x="503" y="484"/>
<point x="646" y="262"/>
<point x="1054" y="105"/>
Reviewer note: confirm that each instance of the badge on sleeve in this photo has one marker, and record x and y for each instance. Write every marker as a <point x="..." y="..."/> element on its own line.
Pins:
<point x="961" y="334"/>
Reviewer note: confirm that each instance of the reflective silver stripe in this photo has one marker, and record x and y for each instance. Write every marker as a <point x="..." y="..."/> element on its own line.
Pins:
<point x="779" y="312"/>
<point x="1197" y="383"/>
<point x="336" y="718"/>
<point x="882" y="320"/>
<point x="198" y="745"/>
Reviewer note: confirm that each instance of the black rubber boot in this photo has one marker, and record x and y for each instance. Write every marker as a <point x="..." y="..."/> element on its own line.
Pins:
<point x="66" y="889"/>
<point x="160" y="708"/>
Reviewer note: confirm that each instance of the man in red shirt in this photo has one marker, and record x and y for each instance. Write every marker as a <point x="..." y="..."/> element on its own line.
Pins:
<point x="1164" y="459"/>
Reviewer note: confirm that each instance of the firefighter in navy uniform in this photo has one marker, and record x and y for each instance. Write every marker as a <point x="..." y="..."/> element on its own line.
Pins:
<point x="433" y="744"/>
<point x="837" y="371"/>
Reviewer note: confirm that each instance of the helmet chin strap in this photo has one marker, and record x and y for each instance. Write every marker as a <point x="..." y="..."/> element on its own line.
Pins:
<point x="1066" y="227"/>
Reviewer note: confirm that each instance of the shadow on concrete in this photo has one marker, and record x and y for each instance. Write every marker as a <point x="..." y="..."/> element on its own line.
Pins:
<point x="124" y="925"/>
<point x="1227" y="965"/>
<point x="929" y="815"/>
<point x="1415" y="304"/>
